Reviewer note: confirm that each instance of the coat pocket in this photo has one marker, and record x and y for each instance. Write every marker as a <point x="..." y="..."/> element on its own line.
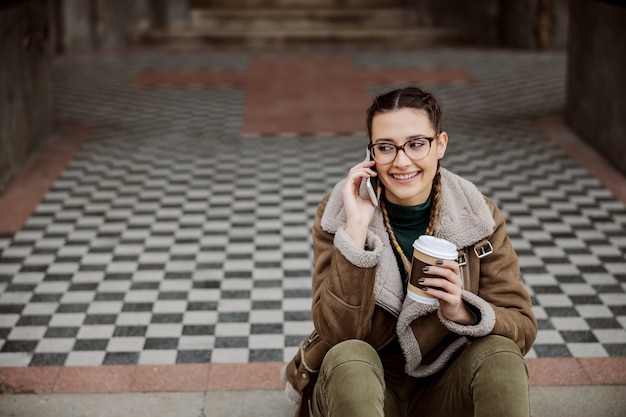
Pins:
<point x="305" y="365"/>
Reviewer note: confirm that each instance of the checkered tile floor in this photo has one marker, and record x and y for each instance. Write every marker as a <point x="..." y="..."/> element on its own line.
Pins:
<point x="170" y="238"/>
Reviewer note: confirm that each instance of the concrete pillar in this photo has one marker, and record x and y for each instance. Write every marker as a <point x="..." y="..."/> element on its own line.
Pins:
<point x="596" y="82"/>
<point x="90" y="25"/>
<point x="523" y="24"/>
<point x="76" y="26"/>
<point x="560" y="24"/>
<point x="115" y="22"/>
<point x="534" y="24"/>
<point x="177" y="13"/>
<point x="26" y="96"/>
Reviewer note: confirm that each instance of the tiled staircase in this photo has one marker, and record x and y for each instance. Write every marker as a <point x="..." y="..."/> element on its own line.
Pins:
<point x="263" y="23"/>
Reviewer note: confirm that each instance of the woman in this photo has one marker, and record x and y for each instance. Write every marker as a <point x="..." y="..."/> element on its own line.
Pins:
<point x="375" y="352"/>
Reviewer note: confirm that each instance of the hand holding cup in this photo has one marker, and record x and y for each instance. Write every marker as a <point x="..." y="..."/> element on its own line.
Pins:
<point x="427" y="251"/>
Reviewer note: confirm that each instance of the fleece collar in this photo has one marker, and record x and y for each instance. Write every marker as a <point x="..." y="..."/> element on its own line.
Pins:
<point x="464" y="216"/>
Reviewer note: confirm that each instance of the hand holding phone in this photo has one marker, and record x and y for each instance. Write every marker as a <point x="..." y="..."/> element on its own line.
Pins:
<point x="371" y="183"/>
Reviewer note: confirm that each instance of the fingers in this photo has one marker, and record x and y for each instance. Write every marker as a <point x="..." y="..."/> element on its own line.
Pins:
<point x="363" y="170"/>
<point x="448" y="270"/>
<point x="359" y="209"/>
<point x="446" y="280"/>
<point x="447" y="286"/>
<point x="356" y="175"/>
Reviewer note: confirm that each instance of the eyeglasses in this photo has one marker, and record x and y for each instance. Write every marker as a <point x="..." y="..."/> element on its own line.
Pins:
<point x="416" y="149"/>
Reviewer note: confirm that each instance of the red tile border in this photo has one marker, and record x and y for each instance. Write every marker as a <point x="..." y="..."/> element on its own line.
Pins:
<point x="256" y="376"/>
<point x="37" y="380"/>
<point x="113" y="378"/>
<point x="555" y="129"/>
<point x="183" y="377"/>
<point x="28" y="187"/>
<point x="419" y="76"/>
<point x="557" y="371"/>
<point x="302" y="95"/>
<point x="605" y="371"/>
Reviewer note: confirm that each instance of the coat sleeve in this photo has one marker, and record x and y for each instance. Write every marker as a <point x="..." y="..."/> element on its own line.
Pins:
<point x="497" y="293"/>
<point x="343" y="281"/>
<point x="500" y="284"/>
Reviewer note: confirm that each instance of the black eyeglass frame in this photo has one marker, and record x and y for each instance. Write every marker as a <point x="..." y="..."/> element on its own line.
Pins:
<point x="401" y="148"/>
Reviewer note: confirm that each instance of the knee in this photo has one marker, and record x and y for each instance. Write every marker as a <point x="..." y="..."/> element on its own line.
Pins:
<point x="352" y="351"/>
<point x="498" y="355"/>
<point x="493" y="344"/>
<point x="499" y="381"/>
<point x="356" y="354"/>
<point x="351" y="381"/>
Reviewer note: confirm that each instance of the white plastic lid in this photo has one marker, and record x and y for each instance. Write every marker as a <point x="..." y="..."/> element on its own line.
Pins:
<point x="436" y="247"/>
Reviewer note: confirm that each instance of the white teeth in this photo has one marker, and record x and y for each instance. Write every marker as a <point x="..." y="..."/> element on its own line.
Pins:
<point x="405" y="177"/>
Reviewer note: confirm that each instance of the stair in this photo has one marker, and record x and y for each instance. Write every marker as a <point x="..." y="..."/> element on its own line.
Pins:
<point x="298" y="19"/>
<point x="262" y="26"/>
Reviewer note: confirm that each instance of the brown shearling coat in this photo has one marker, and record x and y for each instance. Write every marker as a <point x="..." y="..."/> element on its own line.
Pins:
<point x="358" y="293"/>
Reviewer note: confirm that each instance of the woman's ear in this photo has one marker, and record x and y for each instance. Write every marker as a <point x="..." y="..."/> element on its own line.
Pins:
<point x="442" y="144"/>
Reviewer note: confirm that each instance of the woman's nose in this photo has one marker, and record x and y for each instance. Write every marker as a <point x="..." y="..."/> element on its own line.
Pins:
<point x="402" y="159"/>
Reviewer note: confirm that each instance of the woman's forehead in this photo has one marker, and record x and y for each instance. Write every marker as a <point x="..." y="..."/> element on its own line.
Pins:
<point x="401" y="124"/>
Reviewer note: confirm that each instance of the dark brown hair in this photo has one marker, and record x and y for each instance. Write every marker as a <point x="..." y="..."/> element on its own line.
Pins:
<point x="407" y="97"/>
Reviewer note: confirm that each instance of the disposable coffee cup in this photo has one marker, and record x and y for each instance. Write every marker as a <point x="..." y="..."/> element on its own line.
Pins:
<point x="427" y="250"/>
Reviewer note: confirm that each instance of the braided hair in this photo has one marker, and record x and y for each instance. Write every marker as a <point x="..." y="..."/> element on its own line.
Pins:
<point x="436" y="207"/>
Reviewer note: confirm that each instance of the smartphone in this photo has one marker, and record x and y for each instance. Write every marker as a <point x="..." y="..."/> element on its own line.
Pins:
<point x="371" y="183"/>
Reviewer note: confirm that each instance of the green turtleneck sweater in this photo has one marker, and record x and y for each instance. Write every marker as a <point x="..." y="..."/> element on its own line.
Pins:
<point x="408" y="222"/>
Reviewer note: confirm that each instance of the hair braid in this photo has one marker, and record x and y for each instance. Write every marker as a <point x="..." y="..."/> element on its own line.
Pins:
<point x="436" y="206"/>
<point x="394" y="240"/>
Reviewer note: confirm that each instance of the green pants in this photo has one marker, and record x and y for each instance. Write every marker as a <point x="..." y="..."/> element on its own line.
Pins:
<point x="488" y="379"/>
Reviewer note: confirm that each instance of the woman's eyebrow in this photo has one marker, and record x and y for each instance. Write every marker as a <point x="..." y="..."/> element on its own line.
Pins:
<point x="416" y="136"/>
<point x="419" y="136"/>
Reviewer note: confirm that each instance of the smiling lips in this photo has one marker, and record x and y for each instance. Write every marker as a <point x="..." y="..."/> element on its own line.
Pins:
<point x="405" y="176"/>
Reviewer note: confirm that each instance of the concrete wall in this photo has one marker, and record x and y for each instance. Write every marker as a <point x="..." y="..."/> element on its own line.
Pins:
<point x="75" y="26"/>
<point x="596" y="82"/>
<point x="523" y="24"/>
<point x="532" y="24"/>
<point x="26" y="97"/>
<point x="91" y="25"/>
<point x="168" y="13"/>
<point x="477" y="18"/>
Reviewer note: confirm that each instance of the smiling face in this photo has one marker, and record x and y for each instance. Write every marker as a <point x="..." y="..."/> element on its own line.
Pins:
<point x="407" y="182"/>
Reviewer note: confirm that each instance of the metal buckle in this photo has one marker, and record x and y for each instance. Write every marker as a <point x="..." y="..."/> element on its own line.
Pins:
<point x="462" y="260"/>
<point x="484" y="249"/>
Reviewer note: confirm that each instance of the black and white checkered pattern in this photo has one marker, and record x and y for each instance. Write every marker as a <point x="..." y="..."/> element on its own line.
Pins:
<point x="170" y="238"/>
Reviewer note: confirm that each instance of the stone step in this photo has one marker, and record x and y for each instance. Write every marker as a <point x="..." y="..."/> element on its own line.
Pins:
<point x="261" y="26"/>
<point x="398" y="37"/>
<point x="260" y="19"/>
<point x="193" y="4"/>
